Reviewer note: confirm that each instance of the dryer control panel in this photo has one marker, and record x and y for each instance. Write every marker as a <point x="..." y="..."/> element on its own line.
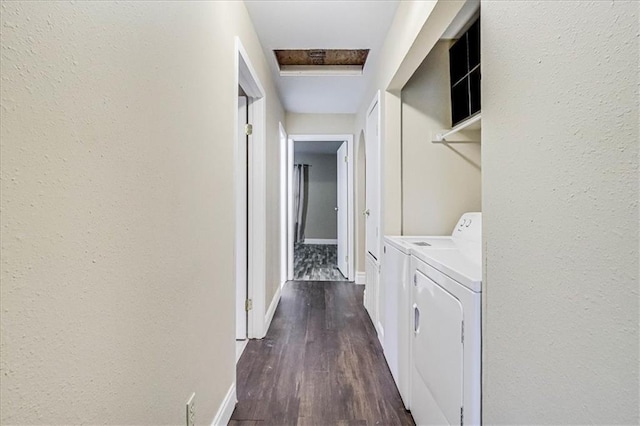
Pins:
<point x="469" y="227"/>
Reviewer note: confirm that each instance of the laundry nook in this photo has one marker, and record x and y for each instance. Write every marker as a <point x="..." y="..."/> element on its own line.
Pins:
<point x="426" y="299"/>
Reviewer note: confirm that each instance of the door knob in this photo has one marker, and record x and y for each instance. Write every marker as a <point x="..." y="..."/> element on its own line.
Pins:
<point x="366" y="212"/>
<point x="335" y="208"/>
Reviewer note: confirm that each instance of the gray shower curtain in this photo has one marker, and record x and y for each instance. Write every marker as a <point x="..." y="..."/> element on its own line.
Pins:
<point x="300" y="188"/>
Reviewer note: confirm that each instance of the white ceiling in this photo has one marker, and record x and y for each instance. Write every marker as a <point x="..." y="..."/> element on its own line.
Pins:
<point x="307" y="24"/>
<point x="316" y="147"/>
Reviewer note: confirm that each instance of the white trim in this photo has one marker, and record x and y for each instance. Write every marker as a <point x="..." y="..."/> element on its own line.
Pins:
<point x="325" y="241"/>
<point x="223" y="416"/>
<point x="361" y="278"/>
<point x="247" y="78"/>
<point x="351" y="252"/>
<point x="257" y="219"/>
<point x="240" y="346"/>
<point x="247" y="75"/>
<point x="283" y="205"/>
<point x="320" y="70"/>
<point x="241" y="237"/>
<point x="377" y="100"/>
<point x="351" y="216"/>
<point x="290" y="221"/>
<point x="272" y="310"/>
<point x="380" y="330"/>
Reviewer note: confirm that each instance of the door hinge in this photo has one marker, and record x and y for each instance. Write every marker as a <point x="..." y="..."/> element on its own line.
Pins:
<point x="346" y="159"/>
<point x="384" y="249"/>
<point x="462" y="332"/>
<point x="415" y="279"/>
<point x="461" y="415"/>
<point x="248" y="129"/>
<point x="346" y="258"/>
<point x="248" y="305"/>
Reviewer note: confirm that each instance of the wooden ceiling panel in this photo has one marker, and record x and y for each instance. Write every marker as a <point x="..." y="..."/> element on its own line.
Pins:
<point x="330" y="57"/>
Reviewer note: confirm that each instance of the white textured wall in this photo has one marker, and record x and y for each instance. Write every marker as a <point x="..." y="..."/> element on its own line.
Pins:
<point x="310" y="124"/>
<point x="117" y="246"/>
<point x="416" y="27"/>
<point x="407" y="24"/>
<point x="275" y="115"/>
<point x="560" y="203"/>
<point x="439" y="181"/>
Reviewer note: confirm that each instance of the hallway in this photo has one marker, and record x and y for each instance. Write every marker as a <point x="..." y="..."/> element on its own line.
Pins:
<point x="320" y="363"/>
<point x="148" y="212"/>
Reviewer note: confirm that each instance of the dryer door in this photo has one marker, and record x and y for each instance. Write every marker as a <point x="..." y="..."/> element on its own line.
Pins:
<point x="437" y="382"/>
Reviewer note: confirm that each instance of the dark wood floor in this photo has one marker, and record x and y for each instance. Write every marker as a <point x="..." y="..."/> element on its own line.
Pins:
<point x="320" y="364"/>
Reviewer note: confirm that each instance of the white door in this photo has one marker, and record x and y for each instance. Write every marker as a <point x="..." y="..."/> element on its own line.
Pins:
<point x="241" y="222"/>
<point x="372" y="182"/>
<point x="342" y="210"/>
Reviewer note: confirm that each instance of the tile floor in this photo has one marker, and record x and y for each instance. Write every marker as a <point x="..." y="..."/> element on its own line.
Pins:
<point x="316" y="262"/>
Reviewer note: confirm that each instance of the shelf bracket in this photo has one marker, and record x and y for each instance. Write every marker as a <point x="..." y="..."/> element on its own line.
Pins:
<point x="472" y="135"/>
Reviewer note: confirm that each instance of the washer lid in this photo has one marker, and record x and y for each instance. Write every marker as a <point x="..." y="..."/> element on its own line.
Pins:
<point x="406" y="243"/>
<point x="434" y="242"/>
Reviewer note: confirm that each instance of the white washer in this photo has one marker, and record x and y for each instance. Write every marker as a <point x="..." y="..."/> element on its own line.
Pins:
<point x="397" y="306"/>
<point x="446" y="327"/>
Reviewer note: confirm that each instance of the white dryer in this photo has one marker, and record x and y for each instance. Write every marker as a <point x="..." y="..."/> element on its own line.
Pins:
<point x="446" y="327"/>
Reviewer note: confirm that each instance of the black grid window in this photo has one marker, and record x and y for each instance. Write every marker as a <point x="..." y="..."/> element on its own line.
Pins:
<point x="464" y="71"/>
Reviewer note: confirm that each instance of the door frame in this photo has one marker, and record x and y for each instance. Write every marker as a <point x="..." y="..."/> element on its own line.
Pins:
<point x="378" y="173"/>
<point x="284" y="249"/>
<point x="247" y="78"/>
<point x="350" y="196"/>
<point x="241" y="217"/>
<point x="342" y="196"/>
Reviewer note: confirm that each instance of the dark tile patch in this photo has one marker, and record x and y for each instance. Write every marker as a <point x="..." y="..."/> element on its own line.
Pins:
<point x="316" y="262"/>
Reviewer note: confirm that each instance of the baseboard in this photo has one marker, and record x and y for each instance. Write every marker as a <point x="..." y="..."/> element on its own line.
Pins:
<point x="320" y="241"/>
<point x="360" y="278"/>
<point x="240" y="345"/>
<point x="226" y="408"/>
<point x="380" y="331"/>
<point x="272" y="310"/>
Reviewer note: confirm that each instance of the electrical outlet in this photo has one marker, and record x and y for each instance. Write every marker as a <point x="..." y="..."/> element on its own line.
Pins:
<point x="191" y="410"/>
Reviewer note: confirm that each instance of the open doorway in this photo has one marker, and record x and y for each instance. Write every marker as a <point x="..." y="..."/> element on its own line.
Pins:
<point x="321" y="225"/>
